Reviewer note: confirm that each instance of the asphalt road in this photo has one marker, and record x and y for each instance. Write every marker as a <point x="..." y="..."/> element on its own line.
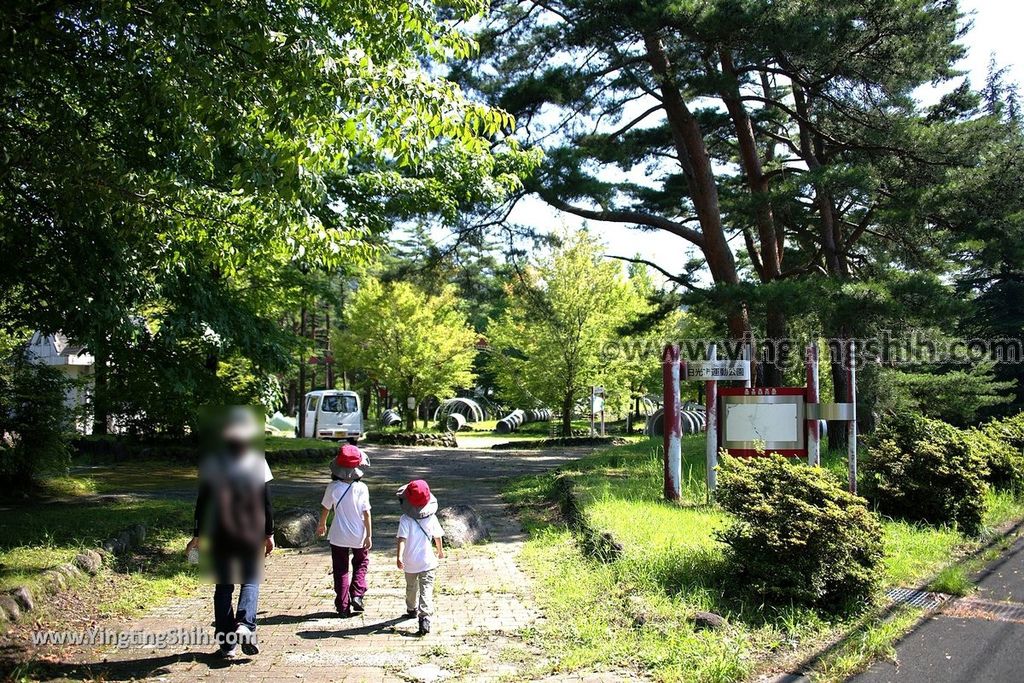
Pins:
<point x="971" y="640"/>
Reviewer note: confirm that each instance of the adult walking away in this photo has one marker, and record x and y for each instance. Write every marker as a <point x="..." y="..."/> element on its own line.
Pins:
<point x="234" y="524"/>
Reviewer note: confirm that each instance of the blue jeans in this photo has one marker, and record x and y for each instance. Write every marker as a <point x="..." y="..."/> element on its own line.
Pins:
<point x="226" y="618"/>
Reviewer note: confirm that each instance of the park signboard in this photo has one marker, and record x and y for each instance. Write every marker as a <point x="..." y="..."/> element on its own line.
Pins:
<point x="749" y="421"/>
<point x="756" y="421"/>
<point x="720" y="370"/>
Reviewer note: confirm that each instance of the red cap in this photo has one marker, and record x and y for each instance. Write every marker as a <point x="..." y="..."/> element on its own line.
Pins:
<point x="349" y="456"/>
<point x="417" y="493"/>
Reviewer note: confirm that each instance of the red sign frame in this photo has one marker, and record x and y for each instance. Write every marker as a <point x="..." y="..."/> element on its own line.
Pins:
<point x="761" y="391"/>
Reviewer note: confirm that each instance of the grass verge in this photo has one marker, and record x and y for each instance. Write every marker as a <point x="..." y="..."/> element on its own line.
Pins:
<point x="636" y="612"/>
<point x="37" y="537"/>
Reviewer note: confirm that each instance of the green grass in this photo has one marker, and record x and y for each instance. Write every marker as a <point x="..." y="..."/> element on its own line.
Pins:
<point x="283" y="444"/>
<point x="952" y="580"/>
<point x="530" y="430"/>
<point x="633" y="613"/>
<point x="873" y="637"/>
<point x="914" y="552"/>
<point x="35" y="537"/>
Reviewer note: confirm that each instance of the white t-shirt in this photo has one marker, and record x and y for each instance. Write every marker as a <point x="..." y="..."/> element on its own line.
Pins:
<point x="347" y="530"/>
<point x="419" y="543"/>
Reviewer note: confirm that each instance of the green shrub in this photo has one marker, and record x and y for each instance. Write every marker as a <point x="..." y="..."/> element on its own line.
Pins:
<point x="1005" y="451"/>
<point x="1009" y="430"/>
<point x="35" y="426"/>
<point x="1004" y="462"/>
<point x="926" y="470"/>
<point x="799" y="536"/>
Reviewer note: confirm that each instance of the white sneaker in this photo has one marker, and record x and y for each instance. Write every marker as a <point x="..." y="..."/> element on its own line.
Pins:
<point x="247" y="639"/>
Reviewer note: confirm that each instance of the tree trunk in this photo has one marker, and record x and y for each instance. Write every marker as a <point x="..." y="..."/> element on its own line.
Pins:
<point x="328" y="352"/>
<point x="290" y="405"/>
<point x="312" y="337"/>
<point x="777" y="347"/>
<point x="100" y="392"/>
<point x="770" y="254"/>
<point x="629" y="418"/>
<point x="410" y="413"/>
<point x="840" y="386"/>
<point x="688" y="140"/>
<point x="302" y="373"/>
<point x="567" y="414"/>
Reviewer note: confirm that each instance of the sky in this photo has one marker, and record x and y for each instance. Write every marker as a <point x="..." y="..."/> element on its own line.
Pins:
<point x="996" y="32"/>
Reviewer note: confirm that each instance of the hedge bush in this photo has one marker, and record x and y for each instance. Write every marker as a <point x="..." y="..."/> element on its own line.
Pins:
<point x="35" y="425"/>
<point x="1009" y="430"/>
<point x="799" y="536"/>
<point x="1002" y="442"/>
<point x="925" y="470"/>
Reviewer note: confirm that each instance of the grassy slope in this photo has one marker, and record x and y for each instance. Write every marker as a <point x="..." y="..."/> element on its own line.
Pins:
<point x="634" y="612"/>
<point x="37" y="536"/>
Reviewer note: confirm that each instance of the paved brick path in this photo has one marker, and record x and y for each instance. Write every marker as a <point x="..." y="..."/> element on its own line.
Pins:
<point x="483" y="598"/>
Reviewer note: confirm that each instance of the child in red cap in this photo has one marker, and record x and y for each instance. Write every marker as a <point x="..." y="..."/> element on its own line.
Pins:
<point x="351" y="531"/>
<point x="419" y="549"/>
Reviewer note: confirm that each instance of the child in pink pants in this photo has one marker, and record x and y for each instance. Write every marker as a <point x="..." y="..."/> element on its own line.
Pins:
<point x="351" y="533"/>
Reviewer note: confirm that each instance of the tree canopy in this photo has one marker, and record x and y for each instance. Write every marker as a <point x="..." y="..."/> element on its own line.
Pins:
<point x="173" y="173"/>
<point x="550" y="344"/>
<point x="782" y="140"/>
<point x="414" y="344"/>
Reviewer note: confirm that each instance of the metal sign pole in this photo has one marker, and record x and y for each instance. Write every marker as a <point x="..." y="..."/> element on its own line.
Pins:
<point x="672" y="429"/>
<point x="746" y="357"/>
<point x="591" y="411"/>
<point x="711" y="422"/>
<point x="813" y="426"/>
<point x="851" y="432"/>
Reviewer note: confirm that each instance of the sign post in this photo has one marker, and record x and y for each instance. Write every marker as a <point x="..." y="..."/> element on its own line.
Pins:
<point x="746" y="359"/>
<point x="757" y="421"/>
<point x="813" y="426"/>
<point x="591" y="432"/>
<point x="596" y="406"/>
<point x="672" y="430"/>
<point x="718" y="370"/>
<point x="851" y="432"/>
<point x="711" y="425"/>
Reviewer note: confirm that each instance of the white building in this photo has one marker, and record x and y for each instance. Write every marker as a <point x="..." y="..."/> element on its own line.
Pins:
<point x="76" y="363"/>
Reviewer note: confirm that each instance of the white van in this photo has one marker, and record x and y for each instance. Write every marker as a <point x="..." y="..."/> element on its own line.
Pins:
<point x="333" y="414"/>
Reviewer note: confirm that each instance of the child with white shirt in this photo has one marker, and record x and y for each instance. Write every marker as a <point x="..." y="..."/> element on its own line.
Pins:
<point x="351" y="531"/>
<point x="419" y="550"/>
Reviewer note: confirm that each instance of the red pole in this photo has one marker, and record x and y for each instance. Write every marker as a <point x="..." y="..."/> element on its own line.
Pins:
<point x="672" y="431"/>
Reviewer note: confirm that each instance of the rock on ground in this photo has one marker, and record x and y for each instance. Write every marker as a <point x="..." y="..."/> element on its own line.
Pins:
<point x="137" y="534"/>
<point x="55" y="580"/>
<point x="709" y="621"/>
<point x="296" y="528"/>
<point x="89" y="562"/>
<point x="24" y="599"/>
<point x="462" y="526"/>
<point x="426" y="673"/>
<point x="9" y="607"/>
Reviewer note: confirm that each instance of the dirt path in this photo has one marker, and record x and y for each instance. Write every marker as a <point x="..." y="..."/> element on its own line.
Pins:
<point x="483" y="602"/>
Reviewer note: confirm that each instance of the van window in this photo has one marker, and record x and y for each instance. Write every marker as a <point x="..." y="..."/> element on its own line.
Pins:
<point x="311" y="403"/>
<point x="340" y="404"/>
